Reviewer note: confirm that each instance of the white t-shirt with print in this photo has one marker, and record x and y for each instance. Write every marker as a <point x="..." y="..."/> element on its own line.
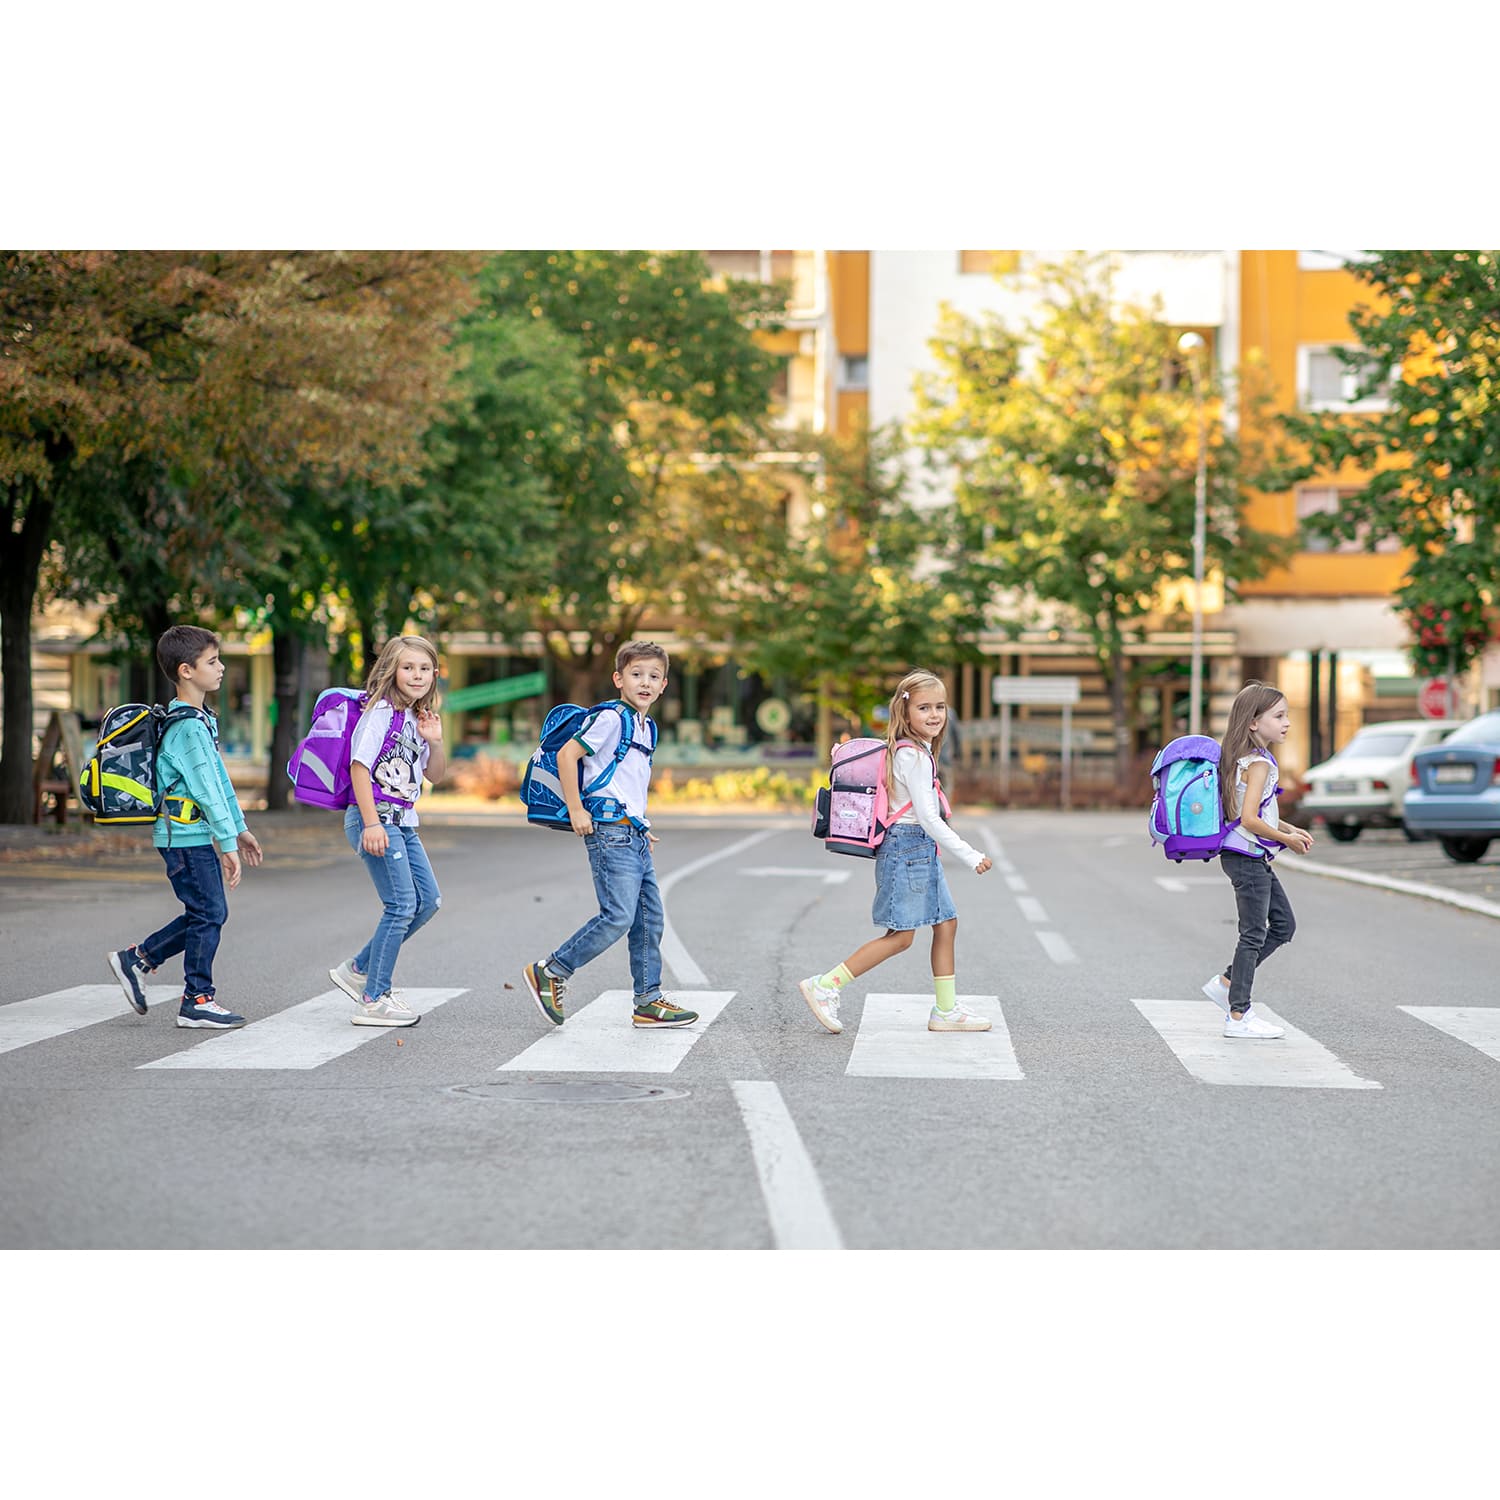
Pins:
<point x="632" y="780"/>
<point x="396" y="776"/>
<point x="1237" y="838"/>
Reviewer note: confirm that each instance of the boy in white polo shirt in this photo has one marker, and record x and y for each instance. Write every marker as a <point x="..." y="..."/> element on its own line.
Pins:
<point x="619" y="852"/>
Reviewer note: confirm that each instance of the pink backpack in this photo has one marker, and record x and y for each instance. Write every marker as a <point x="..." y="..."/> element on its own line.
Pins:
<point x="852" y="812"/>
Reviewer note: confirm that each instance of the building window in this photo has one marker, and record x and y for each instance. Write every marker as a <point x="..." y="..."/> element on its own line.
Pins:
<point x="854" y="372"/>
<point x="988" y="262"/>
<point x="1325" y="500"/>
<point x="1327" y="383"/>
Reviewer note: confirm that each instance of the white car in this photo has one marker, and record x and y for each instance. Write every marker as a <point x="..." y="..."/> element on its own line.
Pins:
<point x="1362" y="786"/>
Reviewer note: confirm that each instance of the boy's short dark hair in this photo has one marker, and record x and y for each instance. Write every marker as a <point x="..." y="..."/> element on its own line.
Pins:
<point x="634" y="650"/>
<point x="181" y="646"/>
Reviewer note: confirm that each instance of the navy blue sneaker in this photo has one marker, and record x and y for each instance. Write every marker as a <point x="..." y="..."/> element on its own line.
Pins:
<point x="204" y="1010"/>
<point x="128" y="967"/>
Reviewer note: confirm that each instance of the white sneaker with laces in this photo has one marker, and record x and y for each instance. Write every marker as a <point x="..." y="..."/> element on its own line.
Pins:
<point x="352" y="984"/>
<point x="957" y="1019"/>
<point x="388" y="1010"/>
<point x="1217" y="991"/>
<point x="823" y="1001"/>
<point x="1252" y="1027"/>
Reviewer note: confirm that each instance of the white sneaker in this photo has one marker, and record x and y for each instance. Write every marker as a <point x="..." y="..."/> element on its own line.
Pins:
<point x="957" y="1019"/>
<point x="1217" y="991"/>
<point x="823" y="1001"/>
<point x="352" y="984"/>
<point x="388" y="1010"/>
<point x="1250" y="1025"/>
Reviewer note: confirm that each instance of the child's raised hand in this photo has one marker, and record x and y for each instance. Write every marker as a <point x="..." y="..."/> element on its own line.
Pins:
<point x="1300" y="841"/>
<point x="430" y="726"/>
<point x="983" y="865"/>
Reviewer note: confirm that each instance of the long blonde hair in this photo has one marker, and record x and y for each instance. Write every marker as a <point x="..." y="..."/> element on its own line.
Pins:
<point x="381" y="683"/>
<point x="898" y="726"/>
<point x="1252" y="700"/>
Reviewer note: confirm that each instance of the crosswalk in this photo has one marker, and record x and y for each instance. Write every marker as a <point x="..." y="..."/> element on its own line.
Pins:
<point x="889" y="1037"/>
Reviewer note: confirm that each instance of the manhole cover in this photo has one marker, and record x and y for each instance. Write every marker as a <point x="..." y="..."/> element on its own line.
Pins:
<point x="564" y="1091"/>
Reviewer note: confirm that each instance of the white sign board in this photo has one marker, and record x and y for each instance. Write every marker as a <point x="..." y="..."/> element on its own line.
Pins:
<point x="1034" y="690"/>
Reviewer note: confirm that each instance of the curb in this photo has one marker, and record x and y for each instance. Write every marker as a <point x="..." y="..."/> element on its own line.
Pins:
<point x="1475" y="904"/>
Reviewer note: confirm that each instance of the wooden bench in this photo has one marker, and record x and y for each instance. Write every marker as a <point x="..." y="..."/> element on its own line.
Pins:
<point x="62" y="741"/>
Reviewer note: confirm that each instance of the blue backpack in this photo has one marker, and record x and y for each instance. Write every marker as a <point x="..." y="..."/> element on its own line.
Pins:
<point x="1187" y="805"/>
<point x="541" y="790"/>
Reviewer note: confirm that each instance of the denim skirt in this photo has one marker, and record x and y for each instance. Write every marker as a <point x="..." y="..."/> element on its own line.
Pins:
<point x="910" y="889"/>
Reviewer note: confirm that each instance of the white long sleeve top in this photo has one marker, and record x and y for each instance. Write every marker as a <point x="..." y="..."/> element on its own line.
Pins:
<point x="913" y="782"/>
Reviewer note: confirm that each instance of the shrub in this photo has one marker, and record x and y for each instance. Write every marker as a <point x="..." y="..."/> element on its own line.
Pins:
<point x="486" y="776"/>
<point x="759" y="787"/>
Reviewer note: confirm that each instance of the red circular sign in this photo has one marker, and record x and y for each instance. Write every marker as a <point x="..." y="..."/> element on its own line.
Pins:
<point x="1437" y="699"/>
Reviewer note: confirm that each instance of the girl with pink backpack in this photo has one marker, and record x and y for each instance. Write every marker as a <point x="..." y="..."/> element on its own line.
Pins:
<point x="910" y="890"/>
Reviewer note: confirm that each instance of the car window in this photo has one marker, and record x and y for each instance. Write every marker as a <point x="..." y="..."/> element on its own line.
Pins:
<point x="1485" y="730"/>
<point x="1385" y="743"/>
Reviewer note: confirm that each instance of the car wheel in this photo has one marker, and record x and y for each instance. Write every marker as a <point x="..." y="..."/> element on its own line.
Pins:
<point x="1465" y="851"/>
<point x="1343" y="833"/>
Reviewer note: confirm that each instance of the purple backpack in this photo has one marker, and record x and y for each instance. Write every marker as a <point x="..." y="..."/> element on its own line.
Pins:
<point x="319" y="767"/>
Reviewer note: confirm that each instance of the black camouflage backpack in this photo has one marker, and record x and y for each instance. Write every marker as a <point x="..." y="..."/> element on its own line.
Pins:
<point x="118" y="784"/>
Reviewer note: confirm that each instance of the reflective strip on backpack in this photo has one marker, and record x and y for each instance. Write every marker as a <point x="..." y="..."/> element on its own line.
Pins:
<point x="138" y="790"/>
<point x="320" y="771"/>
<point x="545" y="779"/>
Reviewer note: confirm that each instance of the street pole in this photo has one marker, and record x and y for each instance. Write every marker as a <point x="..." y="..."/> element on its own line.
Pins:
<point x="1191" y="344"/>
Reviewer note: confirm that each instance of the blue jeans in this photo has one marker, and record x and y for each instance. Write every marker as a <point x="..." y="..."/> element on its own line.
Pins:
<point x="198" y="880"/>
<point x="629" y="902"/>
<point x="405" y="884"/>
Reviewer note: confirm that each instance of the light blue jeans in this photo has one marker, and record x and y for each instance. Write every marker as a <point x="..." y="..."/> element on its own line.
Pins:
<point x="629" y="902"/>
<point x="406" y="886"/>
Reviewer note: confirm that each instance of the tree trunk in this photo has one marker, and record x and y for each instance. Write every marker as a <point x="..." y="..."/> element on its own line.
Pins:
<point x="288" y="652"/>
<point x="21" y="556"/>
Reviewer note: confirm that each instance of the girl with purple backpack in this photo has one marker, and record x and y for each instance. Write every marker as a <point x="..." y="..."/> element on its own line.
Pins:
<point x="1258" y="719"/>
<point x="910" y="890"/>
<point x="397" y="742"/>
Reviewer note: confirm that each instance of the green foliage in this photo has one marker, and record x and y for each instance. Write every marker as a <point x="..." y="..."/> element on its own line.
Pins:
<point x="758" y="787"/>
<point x="1074" y="455"/>
<point x="869" y="587"/>
<point x="1431" y="461"/>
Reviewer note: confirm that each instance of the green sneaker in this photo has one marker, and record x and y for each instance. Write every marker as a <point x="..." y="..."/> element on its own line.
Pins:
<point x="661" y="1012"/>
<point x="546" y="991"/>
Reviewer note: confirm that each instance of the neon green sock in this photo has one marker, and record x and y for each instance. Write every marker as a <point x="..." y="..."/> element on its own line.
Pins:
<point x="838" y="977"/>
<point x="947" y="991"/>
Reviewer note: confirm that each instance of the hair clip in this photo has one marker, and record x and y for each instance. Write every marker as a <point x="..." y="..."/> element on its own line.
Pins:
<point x="906" y="695"/>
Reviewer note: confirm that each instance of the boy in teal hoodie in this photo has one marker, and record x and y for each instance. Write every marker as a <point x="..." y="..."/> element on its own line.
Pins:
<point x="199" y="808"/>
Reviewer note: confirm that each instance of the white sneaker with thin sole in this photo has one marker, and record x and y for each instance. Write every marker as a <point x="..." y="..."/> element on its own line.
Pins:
<point x="352" y="984"/>
<point x="1251" y="1027"/>
<point x="389" y="1010"/>
<point x="823" y="1001"/>
<point x="1217" y="991"/>
<point x="957" y="1019"/>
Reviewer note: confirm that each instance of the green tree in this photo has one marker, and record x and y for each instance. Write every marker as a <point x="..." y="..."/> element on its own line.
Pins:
<point x="155" y="400"/>
<point x="1431" y="458"/>
<point x="650" y="465"/>
<point x="869" y="587"/>
<point x="1073" y="444"/>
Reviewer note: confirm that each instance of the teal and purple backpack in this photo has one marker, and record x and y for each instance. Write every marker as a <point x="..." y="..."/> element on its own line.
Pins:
<point x="1187" y="806"/>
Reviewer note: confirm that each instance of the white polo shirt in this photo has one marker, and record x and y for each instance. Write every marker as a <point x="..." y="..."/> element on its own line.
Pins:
<point x="632" y="779"/>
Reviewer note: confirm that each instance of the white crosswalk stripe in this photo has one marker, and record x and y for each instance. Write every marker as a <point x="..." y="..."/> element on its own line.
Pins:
<point x="46" y="1016"/>
<point x="300" y="1037"/>
<point x="893" y="1041"/>
<point x="1194" y="1030"/>
<point x="599" y="1038"/>
<point x="1478" y="1025"/>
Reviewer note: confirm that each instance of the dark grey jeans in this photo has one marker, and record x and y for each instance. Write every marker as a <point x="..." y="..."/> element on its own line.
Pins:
<point x="1266" y="920"/>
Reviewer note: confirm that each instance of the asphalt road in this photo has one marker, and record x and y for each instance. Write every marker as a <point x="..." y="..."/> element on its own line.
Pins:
<point x="1105" y="1112"/>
